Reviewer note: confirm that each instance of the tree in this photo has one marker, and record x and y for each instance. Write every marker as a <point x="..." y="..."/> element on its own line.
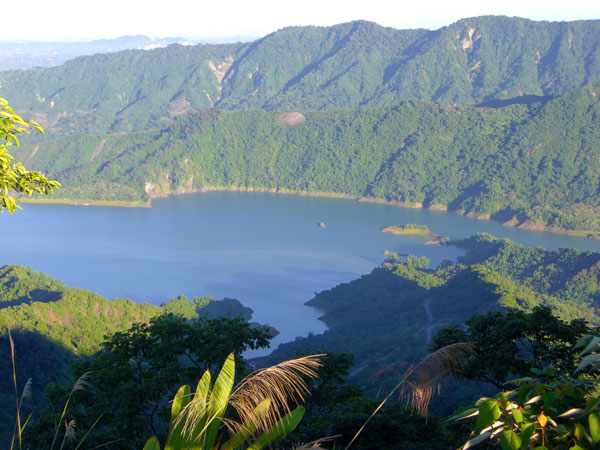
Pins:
<point x="137" y="371"/>
<point x="508" y="345"/>
<point x="14" y="178"/>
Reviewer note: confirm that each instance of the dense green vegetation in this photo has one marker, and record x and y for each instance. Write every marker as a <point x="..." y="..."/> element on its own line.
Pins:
<point x="526" y="156"/>
<point x="494" y="117"/>
<point x="53" y="324"/>
<point x="532" y="165"/>
<point x="141" y="365"/>
<point x="357" y="64"/>
<point x="406" y="303"/>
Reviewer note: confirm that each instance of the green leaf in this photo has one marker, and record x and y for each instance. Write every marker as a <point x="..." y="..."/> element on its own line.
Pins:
<point x="182" y="398"/>
<point x="489" y="411"/>
<point x="594" y="422"/>
<point x="587" y="361"/>
<point x="249" y="428"/>
<point x="152" y="444"/>
<point x="580" y="433"/>
<point x="527" y="431"/>
<point x="523" y="393"/>
<point x="219" y="399"/>
<point x="285" y="425"/>
<point x="509" y="440"/>
<point x="175" y="436"/>
<point x="591" y="345"/>
<point x="591" y="403"/>
<point x="517" y="415"/>
<point x="198" y="408"/>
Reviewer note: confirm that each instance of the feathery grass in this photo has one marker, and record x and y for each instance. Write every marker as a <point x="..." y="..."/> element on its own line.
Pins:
<point x="421" y="381"/>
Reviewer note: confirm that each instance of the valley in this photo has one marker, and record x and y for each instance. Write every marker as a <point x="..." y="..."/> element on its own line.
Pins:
<point x="355" y="190"/>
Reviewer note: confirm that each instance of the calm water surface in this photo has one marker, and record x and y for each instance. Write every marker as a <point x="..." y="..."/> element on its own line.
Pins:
<point x="266" y="250"/>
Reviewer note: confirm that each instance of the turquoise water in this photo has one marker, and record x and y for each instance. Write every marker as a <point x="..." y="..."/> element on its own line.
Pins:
<point x="266" y="250"/>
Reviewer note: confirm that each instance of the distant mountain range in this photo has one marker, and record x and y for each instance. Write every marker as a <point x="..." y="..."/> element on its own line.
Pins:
<point x="29" y="54"/>
<point x="357" y="64"/>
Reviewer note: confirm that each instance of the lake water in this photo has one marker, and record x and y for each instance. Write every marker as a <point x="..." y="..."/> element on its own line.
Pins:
<point x="266" y="250"/>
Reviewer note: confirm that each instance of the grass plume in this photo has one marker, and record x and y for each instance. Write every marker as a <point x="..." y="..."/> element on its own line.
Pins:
<point x="421" y="381"/>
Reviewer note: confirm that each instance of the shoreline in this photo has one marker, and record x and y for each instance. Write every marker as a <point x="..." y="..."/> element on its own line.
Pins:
<point x="79" y="202"/>
<point x="434" y="207"/>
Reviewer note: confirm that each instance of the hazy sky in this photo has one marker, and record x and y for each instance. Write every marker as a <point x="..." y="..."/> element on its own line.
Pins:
<point x="91" y="19"/>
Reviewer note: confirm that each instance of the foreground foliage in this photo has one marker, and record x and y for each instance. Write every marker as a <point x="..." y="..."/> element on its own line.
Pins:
<point x="550" y="410"/>
<point x="509" y="345"/>
<point x="138" y="368"/>
<point x="261" y="402"/>
<point x="14" y="178"/>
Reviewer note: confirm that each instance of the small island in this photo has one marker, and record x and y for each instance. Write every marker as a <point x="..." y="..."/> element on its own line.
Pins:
<point x="412" y="228"/>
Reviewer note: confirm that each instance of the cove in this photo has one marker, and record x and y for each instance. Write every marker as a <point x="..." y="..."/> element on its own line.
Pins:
<point x="267" y="250"/>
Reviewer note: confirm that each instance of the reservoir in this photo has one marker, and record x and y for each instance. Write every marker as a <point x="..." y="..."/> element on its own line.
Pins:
<point x="270" y="251"/>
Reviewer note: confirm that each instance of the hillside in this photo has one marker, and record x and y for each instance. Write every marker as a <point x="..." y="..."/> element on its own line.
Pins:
<point x="53" y="324"/>
<point x="388" y="318"/>
<point x="531" y="165"/>
<point x="358" y="64"/>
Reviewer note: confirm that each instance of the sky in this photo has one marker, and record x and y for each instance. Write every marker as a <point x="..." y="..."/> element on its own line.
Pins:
<point x="72" y="20"/>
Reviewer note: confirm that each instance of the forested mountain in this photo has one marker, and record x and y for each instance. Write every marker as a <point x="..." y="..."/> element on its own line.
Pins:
<point x="363" y="122"/>
<point x="52" y="324"/>
<point x="357" y="64"/>
<point x="389" y="317"/>
<point x="532" y="165"/>
<point x="386" y="318"/>
<point x="494" y="117"/>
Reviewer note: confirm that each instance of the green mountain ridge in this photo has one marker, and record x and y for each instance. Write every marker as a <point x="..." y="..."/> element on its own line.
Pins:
<point x="388" y="318"/>
<point x="531" y="165"/>
<point x="42" y="313"/>
<point x="356" y="64"/>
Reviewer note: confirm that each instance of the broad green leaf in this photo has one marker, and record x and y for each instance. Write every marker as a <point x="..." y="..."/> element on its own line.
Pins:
<point x="509" y="440"/>
<point x="152" y="444"/>
<point x="523" y="393"/>
<point x="527" y="431"/>
<point x="591" y="403"/>
<point x="549" y="399"/>
<point x="580" y="433"/>
<point x="489" y="411"/>
<point x="219" y="398"/>
<point x="594" y="422"/>
<point x="175" y="436"/>
<point x="587" y="361"/>
<point x="280" y="429"/>
<point x="250" y="428"/>
<point x="591" y="345"/>
<point x="198" y="407"/>
<point x="182" y="398"/>
<point x="517" y="415"/>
